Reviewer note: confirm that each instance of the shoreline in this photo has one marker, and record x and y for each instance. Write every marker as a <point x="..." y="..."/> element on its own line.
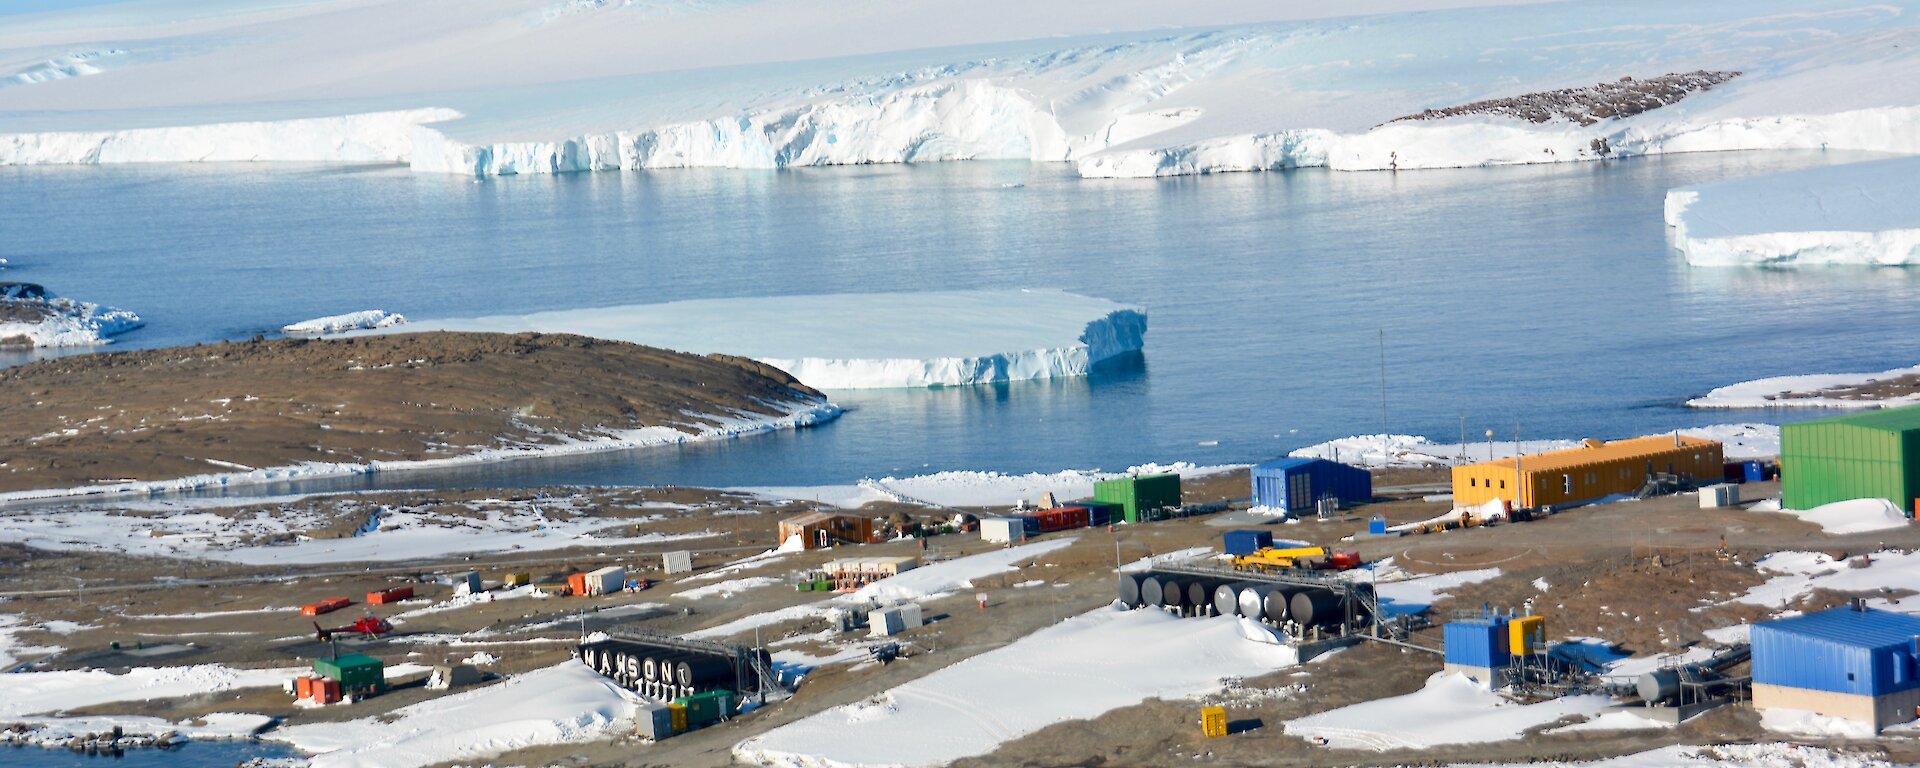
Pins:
<point x="797" y="415"/>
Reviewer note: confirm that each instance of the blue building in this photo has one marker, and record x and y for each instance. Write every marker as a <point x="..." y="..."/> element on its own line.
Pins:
<point x="1851" y="662"/>
<point x="1296" y="485"/>
<point x="1477" y="647"/>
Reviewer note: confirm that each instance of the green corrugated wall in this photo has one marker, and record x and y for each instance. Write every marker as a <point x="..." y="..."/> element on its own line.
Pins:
<point x="1834" y="460"/>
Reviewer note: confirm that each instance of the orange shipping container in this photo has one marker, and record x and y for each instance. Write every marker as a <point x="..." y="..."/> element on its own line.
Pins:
<point x="389" y="595"/>
<point x="328" y="605"/>
<point x="577" y="584"/>
<point x="303" y="687"/>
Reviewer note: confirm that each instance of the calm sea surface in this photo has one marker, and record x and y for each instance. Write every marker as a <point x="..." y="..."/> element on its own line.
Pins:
<point x="1544" y="296"/>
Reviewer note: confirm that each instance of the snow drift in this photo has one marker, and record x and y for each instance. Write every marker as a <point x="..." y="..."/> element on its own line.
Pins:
<point x="1861" y="213"/>
<point x="1118" y="659"/>
<point x="857" y="341"/>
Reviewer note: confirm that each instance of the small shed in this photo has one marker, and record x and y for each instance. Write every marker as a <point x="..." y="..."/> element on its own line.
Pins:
<point x="1297" y="485"/>
<point x="1140" y="497"/>
<point x="1245" y="542"/>
<point x="819" y="530"/>
<point x="1852" y="662"/>
<point x="1003" y="530"/>
<point x="355" y="672"/>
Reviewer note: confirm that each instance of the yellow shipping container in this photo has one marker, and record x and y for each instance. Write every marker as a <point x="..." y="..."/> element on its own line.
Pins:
<point x="679" y="716"/>
<point x="1590" y="472"/>
<point x="1213" y="721"/>
<point x="1526" y="635"/>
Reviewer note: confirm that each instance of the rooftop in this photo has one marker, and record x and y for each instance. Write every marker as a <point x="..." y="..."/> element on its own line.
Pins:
<point x="1889" y="420"/>
<point x="1603" y="452"/>
<point x="1846" y="626"/>
<point x="1278" y="464"/>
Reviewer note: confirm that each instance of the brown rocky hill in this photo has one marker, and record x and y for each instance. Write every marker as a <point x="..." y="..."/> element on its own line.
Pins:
<point x="166" y="413"/>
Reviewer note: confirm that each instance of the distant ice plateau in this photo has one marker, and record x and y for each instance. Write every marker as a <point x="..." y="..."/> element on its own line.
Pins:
<point x="866" y="341"/>
<point x="1126" y="88"/>
<point x="1859" y="213"/>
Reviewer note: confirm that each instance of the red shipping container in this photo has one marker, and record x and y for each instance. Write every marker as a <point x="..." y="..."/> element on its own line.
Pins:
<point x="389" y="595"/>
<point x="329" y="690"/>
<point x="328" y="605"/>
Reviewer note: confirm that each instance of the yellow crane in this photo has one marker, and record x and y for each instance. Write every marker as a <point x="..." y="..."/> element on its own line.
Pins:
<point x="1269" y="559"/>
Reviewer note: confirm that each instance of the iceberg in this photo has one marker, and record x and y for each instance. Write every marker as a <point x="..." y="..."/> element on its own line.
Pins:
<point x="1118" y="89"/>
<point x="864" y="341"/>
<point x="1859" y="213"/>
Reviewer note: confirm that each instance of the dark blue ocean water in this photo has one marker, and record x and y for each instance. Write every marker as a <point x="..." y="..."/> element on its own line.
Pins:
<point x="1542" y="295"/>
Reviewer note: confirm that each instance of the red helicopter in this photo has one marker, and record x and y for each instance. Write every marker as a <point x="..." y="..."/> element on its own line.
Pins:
<point x="370" y="626"/>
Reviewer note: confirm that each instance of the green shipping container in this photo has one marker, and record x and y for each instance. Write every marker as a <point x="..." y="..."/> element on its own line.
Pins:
<point x="1139" y="497"/>
<point x="354" y="671"/>
<point x="708" y="707"/>
<point x="1858" y="456"/>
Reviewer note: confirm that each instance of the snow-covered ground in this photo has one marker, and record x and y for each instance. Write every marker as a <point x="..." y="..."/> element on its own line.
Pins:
<point x="199" y="531"/>
<point x="793" y="416"/>
<point x="1800" y="392"/>
<point x="1401" y="593"/>
<point x="1795" y="575"/>
<point x="34" y="693"/>
<point x="1844" y="517"/>
<point x="858" y="341"/>
<point x="1120" y="88"/>
<point x="1741" y="441"/>
<point x="1118" y="658"/>
<point x="964" y="488"/>
<point x="927" y="582"/>
<point x="1451" y="709"/>
<point x="1860" y="213"/>
<point x="1771" y="755"/>
<point x="13" y="650"/>
<point x="557" y="705"/>
<point x="63" y="322"/>
<point x="351" y="321"/>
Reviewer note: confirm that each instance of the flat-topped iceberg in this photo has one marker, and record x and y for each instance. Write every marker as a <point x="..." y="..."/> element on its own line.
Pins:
<point x="1861" y="213"/>
<point x="864" y="341"/>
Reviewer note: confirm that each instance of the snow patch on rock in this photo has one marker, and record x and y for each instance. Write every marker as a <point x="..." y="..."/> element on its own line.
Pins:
<point x="351" y="321"/>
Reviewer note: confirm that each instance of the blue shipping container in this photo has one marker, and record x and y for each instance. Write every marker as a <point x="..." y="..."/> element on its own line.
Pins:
<point x="1295" y="485"/>
<point x="1754" y="471"/>
<point x="1377" y="526"/>
<point x="1246" y="542"/>
<point x="1477" y="643"/>
<point x="1098" y="514"/>
<point x="1029" y="524"/>
<point x="1862" y="653"/>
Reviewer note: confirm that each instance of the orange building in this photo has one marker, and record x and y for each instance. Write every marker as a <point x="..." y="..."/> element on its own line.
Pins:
<point x="1592" y="471"/>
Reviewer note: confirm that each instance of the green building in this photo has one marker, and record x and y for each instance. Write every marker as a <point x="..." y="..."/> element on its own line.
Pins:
<point x="1868" y="455"/>
<point x="354" y="671"/>
<point x="1140" y="497"/>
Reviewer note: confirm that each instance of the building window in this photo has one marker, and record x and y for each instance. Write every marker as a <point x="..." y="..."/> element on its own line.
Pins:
<point x="1566" y="483"/>
<point x="1503" y="485"/>
<point x="1473" y="482"/>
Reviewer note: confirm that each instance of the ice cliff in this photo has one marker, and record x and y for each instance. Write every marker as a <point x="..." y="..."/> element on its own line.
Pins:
<point x="862" y="341"/>
<point x="1118" y="89"/>
<point x="1861" y="213"/>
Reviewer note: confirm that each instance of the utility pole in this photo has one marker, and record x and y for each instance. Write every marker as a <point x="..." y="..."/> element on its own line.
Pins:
<point x="1383" y="384"/>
